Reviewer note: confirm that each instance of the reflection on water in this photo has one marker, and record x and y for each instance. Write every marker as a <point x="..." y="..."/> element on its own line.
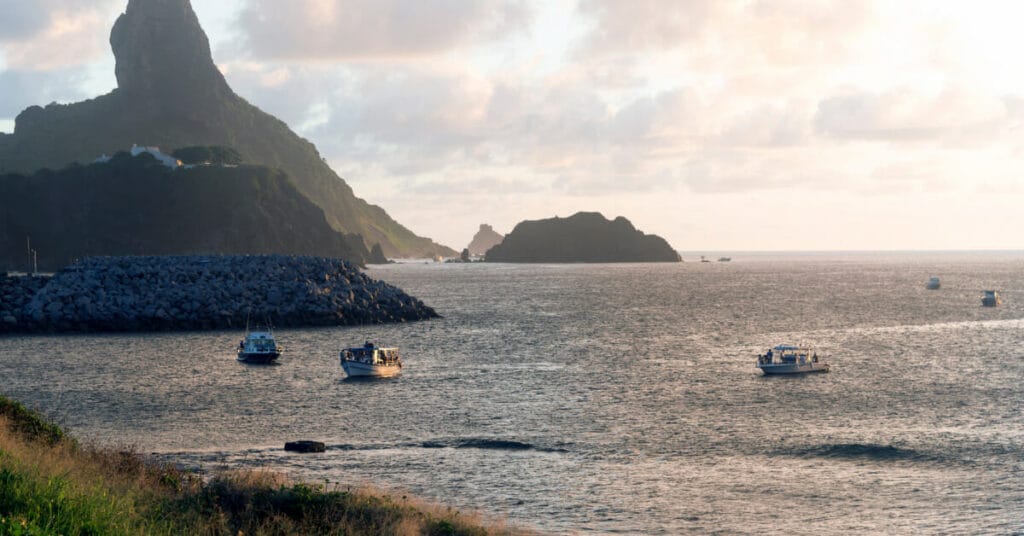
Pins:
<point x="611" y="398"/>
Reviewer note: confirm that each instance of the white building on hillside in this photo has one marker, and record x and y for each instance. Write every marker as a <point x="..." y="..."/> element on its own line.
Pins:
<point x="164" y="159"/>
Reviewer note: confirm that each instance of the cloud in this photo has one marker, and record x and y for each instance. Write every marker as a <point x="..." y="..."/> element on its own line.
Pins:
<point x="21" y="19"/>
<point x="54" y="34"/>
<point x="713" y="33"/>
<point x="21" y="89"/>
<point x="910" y="115"/>
<point x="351" y="29"/>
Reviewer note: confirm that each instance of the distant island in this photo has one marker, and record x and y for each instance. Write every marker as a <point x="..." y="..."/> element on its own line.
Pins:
<point x="585" y="237"/>
<point x="485" y="239"/>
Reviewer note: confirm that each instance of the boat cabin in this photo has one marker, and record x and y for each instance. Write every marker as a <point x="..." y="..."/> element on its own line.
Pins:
<point x="258" y="341"/>
<point x="789" y="354"/>
<point x="371" y="354"/>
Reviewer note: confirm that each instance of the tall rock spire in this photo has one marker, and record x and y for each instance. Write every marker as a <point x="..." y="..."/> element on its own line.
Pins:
<point x="163" y="53"/>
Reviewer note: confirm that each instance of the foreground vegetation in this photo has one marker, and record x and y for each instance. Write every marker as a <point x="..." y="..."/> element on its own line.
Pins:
<point x="51" y="484"/>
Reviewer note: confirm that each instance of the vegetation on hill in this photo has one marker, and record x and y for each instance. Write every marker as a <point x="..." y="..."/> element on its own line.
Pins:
<point x="215" y="155"/>
<point x="135" y="206"/>
<point x="170" y="94"/>
<point x="582" y="237"/>
<point x="51" y="484"/>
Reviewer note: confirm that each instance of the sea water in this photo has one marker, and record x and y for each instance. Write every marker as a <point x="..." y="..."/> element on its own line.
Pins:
<point x="610" y="398"/>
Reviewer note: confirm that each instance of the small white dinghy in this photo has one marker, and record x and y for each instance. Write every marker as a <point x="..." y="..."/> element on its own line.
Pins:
<point x="789" y="359"/>
<point x="371" y="361"/>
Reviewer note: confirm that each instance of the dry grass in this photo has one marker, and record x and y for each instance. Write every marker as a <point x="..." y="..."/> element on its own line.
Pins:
<point x="51" y="484"/>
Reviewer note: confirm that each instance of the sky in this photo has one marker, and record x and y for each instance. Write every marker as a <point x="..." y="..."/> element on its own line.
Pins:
<point x="719" y="125"/>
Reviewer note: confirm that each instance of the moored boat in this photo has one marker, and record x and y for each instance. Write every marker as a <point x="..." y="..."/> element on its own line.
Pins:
<point x="371" y="361"/>
<point x="933" y="284"/>
<point x="258" y="346"/>
<point x="789" y="359"/>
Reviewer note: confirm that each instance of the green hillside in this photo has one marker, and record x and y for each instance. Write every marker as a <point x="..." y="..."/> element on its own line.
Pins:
<point x="170" y="94"/>
<point x="136" y="206"/>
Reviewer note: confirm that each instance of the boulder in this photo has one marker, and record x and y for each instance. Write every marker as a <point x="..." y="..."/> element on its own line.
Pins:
<point x="305" y="445"/>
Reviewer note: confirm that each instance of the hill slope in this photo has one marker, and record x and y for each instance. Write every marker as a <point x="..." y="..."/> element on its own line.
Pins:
<point x="170" y="94"/>
<point x="135" y="206"/>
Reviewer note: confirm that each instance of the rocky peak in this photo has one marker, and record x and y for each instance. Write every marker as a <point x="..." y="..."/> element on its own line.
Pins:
<point x="162" y="52"/>
<point x="485" y="239"/>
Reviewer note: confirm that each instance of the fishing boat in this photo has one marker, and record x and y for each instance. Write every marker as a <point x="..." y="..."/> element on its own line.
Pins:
<point x="371" y="361"/>
<point x="991" y="299"/>
<point x="789" y="359"/>
<point x="933" y="284"/>
<point x="258" y="346"/>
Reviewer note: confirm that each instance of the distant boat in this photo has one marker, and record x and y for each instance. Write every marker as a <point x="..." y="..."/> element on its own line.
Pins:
<point x="702" y="259"/>
<point x="991" y="299"/>
<point x="259" y="346"/>
<point x="933" y="284"/>
<point x="724" y="259"/>
<point x="789" y="359"/>
<point x="371" y="361"/>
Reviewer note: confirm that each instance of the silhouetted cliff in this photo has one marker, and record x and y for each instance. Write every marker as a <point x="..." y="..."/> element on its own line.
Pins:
<point x="171" y="94"/>
<point x="583" y="237"/>
<point x="135" y="206"/>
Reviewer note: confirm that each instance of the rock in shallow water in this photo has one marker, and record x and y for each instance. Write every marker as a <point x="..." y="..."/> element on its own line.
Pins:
<point x="305" y="446"/>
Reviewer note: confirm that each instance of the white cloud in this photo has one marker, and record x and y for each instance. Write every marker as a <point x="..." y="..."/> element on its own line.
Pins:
<point x="320" y="30"/>
<point x="55" y="34"/>
<point x="906" y="114"/>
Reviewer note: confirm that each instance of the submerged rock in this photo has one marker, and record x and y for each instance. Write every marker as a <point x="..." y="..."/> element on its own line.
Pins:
<point x="305" y="446"/>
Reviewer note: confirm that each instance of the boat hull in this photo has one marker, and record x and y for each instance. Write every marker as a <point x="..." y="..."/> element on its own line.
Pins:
<point x="793" y="368"/>
<point x="367" y="370"/>
<point x="258" y="357"/>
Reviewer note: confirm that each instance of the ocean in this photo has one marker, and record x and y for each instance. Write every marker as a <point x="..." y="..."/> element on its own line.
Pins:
<point x="610" y="399"/>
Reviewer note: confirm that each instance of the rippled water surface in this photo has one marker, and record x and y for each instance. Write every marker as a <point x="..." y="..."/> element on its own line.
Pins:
<point x="612" y="398"/>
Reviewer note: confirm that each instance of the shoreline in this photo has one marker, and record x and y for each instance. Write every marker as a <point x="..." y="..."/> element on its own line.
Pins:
<point x="51" y="482"/>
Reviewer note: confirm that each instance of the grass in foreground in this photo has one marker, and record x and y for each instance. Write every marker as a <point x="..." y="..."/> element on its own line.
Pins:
<point x="50" y="484"/>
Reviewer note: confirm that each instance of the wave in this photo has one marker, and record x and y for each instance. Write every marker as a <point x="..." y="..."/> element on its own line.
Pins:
<point x="456" y="443"/>
<point x="486" y="444"/>
<point x="865" y="451"/>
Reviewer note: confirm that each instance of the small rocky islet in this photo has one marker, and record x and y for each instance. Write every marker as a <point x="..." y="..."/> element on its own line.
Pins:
<point x="172" y="293"/>
<point x="584" y="237"/>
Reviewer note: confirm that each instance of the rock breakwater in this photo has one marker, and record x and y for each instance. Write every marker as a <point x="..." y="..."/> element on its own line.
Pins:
<point x="103" y="294"/>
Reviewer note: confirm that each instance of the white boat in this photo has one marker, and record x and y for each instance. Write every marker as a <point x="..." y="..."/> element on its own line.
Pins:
<point x="372" y="361"/>
<point x="933" y="284"/>
<point x="258" y="346"/>
<point x="991" y="299"/>
<point x="789" y="359"/>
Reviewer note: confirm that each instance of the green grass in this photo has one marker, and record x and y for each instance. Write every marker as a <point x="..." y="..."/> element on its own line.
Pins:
<point x="50" y="484"/>
<point x="28" y="423"/>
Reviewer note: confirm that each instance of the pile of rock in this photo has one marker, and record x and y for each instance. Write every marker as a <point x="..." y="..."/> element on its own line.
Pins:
<point x="203" y="292"/>
<point x="15" y="293"/>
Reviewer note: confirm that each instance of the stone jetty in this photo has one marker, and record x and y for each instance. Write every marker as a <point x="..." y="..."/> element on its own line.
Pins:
<point x="109" y="294"/>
